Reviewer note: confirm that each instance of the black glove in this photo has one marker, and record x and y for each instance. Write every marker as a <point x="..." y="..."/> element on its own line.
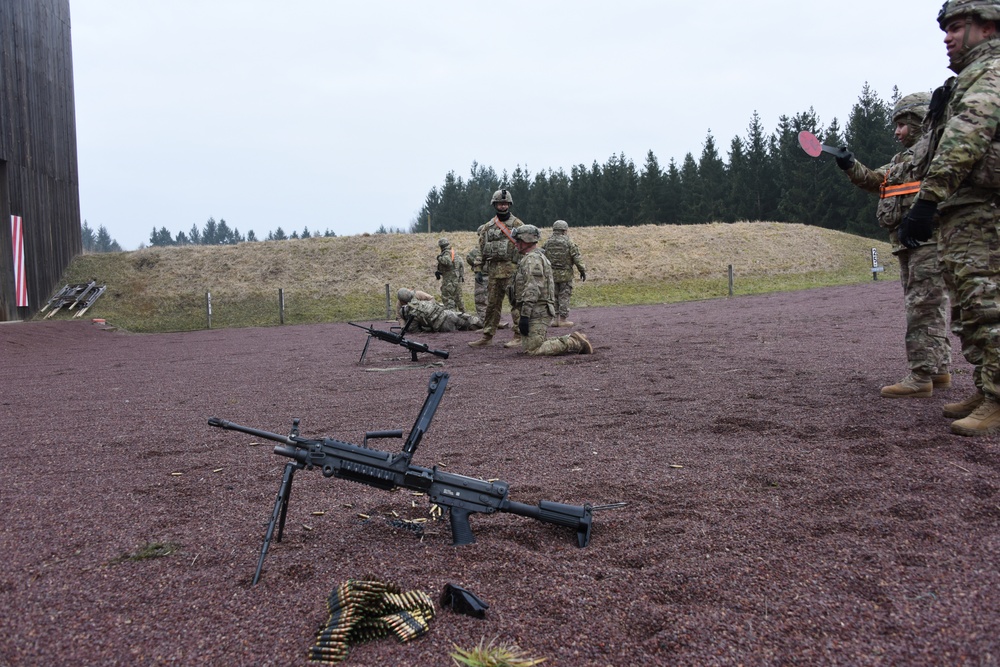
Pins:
<point x="918" y="224"/>
<point x="583" y="275"/>
<point x="437" y="275"/>
<point x="846" y="158"/>
<point x="479" y="277"/>
<point x="522" y="325"/>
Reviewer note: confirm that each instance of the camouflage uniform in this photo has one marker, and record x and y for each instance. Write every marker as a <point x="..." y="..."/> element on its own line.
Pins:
<point x="961" y="178"/>
<point x="563" y="254"/>
<point x="500" y="258"/>
<point x="475" y="260"/>
<point x="534" y="290"/>
<point x="430" y="316"/>
<point x="452" y="276"/>
<point x="925" y="295"/>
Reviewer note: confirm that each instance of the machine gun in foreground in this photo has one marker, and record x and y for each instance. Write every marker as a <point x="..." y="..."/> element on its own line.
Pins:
<point x="398" y="339"/>
<point x="460" y="495"/>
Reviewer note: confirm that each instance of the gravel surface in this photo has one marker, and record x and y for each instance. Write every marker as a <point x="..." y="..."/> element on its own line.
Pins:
<point x="779" y="512"/>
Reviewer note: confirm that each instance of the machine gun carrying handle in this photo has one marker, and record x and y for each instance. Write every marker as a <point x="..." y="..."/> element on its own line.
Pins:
<point x="372" y="435"/>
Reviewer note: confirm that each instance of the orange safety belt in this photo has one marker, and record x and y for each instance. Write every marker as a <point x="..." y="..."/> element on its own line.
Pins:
<point x="505" y="230"/>
<point x="886" y="191"/>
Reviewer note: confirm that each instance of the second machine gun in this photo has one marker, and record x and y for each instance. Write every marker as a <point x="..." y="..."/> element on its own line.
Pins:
<point x="398" y="339"/>
<point x="460" y="495"/>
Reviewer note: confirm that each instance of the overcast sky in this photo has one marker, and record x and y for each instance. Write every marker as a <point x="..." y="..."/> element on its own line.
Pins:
<point x="339" y="115"/>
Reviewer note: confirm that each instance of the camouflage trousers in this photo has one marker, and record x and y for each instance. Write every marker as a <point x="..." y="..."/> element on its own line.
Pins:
<point x="495" y="294"/>
<point x="451" y="292"/>
<point x="480" y="293"/>
<point x="536" y="344"/>
<point x="925" y="295"/>
<point x="563" y="292"/>
<point x="969" y="248"/>
<point x="452" y="320"/>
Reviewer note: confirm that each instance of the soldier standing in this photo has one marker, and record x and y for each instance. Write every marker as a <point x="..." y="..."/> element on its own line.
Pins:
<point x="928" y="348"/>
<point x="429" y="315"/>
<point x="959" y="192"/>
<point x="500" y="258"/>
<point x="563" y="254"/>
<point x="534" y="290"/>
<point x="475" y="261"/>
<point x="452" y="275"/>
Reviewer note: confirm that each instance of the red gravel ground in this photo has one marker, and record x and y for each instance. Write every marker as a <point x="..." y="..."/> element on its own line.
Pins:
<point x="779" y="512"/>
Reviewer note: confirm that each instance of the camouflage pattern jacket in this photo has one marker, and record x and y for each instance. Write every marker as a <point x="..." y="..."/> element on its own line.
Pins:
<point x="500" y="255"/>
<point x="963" y="164"/>
<point x="904" y="168"/>
<point x="563" y="254"/>
<point x="427" y="315"/>
<point x="446" y="263"/>
<point x="475" y="259"/>
<point x="534" y="288"/>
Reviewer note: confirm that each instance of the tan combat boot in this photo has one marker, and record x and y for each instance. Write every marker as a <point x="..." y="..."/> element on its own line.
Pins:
<point x="963" y="408"/>
<point x="482" y="342"/>
<point x="941" y="380"/>
<point x="585" y="346"/>
<point x="909" y="387"/>
<point x="554" y="322"/>
<point x="563" y="322"/>
<point x="984" y="420"/>
<point x="514" y="342"/>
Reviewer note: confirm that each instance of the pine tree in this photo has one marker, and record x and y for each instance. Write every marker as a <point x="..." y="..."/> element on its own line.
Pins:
<point x="89" y="237"/>
<point x="652" y="188"/>
<point x="710" y="192"/>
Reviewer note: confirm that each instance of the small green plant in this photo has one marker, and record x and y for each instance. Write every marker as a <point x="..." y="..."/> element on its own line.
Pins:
<point x="493" y="655"/>
<point x="149" y="550"/>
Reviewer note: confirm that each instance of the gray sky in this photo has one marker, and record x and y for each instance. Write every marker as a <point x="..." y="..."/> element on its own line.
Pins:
<point x="343" y="115"/>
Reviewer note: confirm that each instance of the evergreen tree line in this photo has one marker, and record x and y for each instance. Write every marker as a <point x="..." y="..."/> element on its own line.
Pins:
<point x="767" y="177"/>
<point x="220" y="233"/>
<point x="99" y="241"/>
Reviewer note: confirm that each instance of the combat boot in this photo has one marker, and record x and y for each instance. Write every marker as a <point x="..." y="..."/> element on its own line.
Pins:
<point x="585" y="346"/>
<point x="963" y="408"/>
<point x="984" y="420"/>
<point x="909" y="387"/>
<point x="482" y="342"/>
<point x="563" y="322"/>
<point x="554" y="322"/>
<point x="941" y="380"/>
<point x="514" y="342"/>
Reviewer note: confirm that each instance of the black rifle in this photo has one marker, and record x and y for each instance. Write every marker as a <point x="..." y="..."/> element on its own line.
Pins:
<point x="398" y="338"/>
<point x="461" y="495"/>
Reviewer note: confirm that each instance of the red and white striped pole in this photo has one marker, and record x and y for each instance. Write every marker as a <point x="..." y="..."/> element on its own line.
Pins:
<point x="20" y="281"/>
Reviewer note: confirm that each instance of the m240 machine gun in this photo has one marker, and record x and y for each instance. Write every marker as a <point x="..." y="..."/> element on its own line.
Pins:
<point x="398" y="338"/>
<point x="460" y="495"/>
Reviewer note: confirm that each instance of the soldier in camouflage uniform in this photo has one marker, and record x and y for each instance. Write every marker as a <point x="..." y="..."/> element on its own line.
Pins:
<point x="430" y="316"/>
<point x="563" y="254"/>
<point x="928" y="348"/>
<point x="452" y="275"/>
<point x="500" y="258"/>
<point x="960" y="193"/>
<point x="534" y="290"/>
<point x="475" y="260"/>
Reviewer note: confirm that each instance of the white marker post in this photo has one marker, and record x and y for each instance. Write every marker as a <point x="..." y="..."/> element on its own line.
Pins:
<point x="876" y="269"/>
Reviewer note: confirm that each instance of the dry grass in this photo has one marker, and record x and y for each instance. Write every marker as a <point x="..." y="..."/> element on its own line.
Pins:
<point x="341" y="278"/>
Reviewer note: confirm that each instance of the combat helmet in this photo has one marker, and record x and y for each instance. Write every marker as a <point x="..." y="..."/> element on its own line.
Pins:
<point x="404" y="295"/>
<point x="985" y="10"/>
<point x="443" y="243"/>
<point x="501" y="195"/>
<point x="560" y="226"/>
<point x="914" y="104"/>
<point x="527" y="233"/>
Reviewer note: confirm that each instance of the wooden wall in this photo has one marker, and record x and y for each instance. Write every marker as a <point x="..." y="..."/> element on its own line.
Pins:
<point x="37" y="148"/>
